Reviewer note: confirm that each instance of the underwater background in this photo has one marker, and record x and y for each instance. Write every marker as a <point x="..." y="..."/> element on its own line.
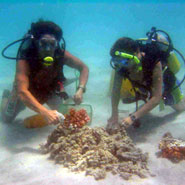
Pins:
<point x="90" y="28"/>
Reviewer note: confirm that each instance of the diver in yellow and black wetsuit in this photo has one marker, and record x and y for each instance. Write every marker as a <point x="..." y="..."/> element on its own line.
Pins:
<point x="39" y="74"/>
<point x="142" y="74"/>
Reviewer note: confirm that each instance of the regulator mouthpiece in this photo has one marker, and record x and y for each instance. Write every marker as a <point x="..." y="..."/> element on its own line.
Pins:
<point x="48" y="61"/>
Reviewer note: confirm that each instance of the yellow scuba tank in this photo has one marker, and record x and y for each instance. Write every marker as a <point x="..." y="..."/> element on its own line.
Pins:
<point x="173" y="63"/>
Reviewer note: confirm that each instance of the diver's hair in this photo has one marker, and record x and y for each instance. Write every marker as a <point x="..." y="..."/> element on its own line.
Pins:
<point x="45" y="27"/>
<point x="124" y="44"/>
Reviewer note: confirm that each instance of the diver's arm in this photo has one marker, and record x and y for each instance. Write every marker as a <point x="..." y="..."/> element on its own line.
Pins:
<point x="113" y="125"/>
<point x="76" y="63"/>
<point x="157" y="80"/>
<point x="115" y="97"/>
<point x="22" y="81"/>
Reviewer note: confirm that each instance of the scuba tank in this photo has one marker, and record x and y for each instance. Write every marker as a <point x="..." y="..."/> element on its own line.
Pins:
<point x="163" y="41"/>
<point x="172" y="65"/>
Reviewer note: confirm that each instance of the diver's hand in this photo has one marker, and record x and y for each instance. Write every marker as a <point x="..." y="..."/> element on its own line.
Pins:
<point x="51" y="117"/>
<point x="63" y="95"/>
<point x="112" y="124"/>
<point x="78" y="97"/>
<point x="127" y="122"/>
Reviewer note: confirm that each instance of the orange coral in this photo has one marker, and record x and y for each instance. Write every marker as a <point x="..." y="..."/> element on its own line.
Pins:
<point x="174" y="153"/>
<point x="172" y="148"/>
<point x="76" y="118"/>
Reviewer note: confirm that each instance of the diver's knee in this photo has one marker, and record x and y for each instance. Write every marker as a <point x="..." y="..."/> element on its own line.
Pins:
<point x="4" y="100"/>
<point x="180" y="107"/>
<point x="7" y="119"/>
<point x="8" y="107"/>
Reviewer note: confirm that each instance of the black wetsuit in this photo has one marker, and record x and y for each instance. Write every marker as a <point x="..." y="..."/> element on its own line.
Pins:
<point x="43" y="81"/>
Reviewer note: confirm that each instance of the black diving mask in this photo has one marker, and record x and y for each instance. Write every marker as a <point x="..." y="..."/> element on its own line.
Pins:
<point x="47" y="44"/>
<point x="46" y="47"/>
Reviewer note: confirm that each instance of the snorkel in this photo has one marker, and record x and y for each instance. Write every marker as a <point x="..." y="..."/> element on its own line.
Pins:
<point x="127" y="56"/>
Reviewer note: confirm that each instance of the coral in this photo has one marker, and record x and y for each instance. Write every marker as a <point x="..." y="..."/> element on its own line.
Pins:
<point x="96" y="152"/>
<point x="171" y="148"/>
<point x="76" y="119"/>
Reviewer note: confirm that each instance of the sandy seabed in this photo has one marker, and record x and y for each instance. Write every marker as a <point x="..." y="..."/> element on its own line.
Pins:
<point x="21" y="162"/>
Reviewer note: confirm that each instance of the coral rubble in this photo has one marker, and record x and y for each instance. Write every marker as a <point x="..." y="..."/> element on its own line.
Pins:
<point x="171" y="148"/>
<point x="95" y="152"/>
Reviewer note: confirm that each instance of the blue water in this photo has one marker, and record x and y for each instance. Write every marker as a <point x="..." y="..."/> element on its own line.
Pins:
<point x="90" y="28"/>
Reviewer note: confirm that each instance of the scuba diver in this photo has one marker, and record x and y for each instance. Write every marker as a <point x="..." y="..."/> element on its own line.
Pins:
<point x="144" y="69"/>
<point x="39" y="75"/>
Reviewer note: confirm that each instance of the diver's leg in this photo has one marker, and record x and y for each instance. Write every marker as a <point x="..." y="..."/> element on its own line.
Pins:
<point x="173" y="95"/>
<point x="178" y="100"/>
<point x="179" y="107"/>
<point x="11" y="105"/>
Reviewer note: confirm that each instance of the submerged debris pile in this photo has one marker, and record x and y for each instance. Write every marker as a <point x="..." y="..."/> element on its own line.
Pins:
<point x="96" y="152"/>
<point x="171" y="148"/>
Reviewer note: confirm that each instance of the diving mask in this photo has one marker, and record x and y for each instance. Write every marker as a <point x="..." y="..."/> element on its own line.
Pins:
<point x="47" y="44"/>
<point x="46" y="47"/>
<point x="123" y="60"/>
